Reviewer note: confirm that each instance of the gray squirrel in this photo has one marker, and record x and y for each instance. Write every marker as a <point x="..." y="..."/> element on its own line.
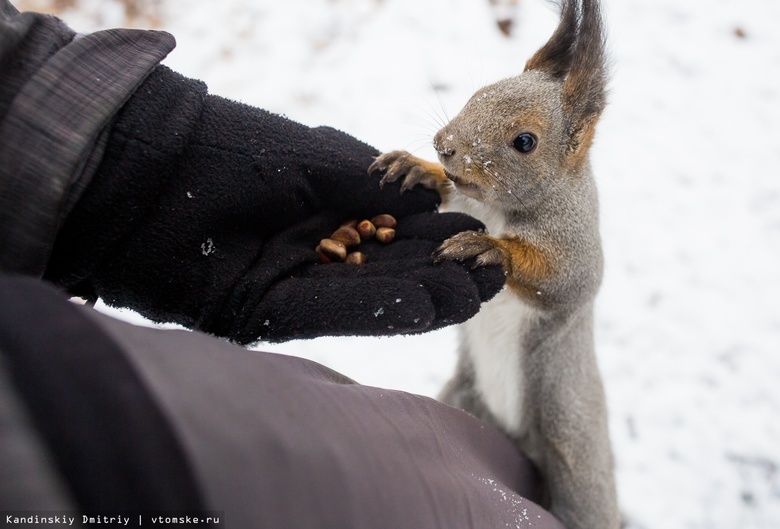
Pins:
<point x="516" y="157"/>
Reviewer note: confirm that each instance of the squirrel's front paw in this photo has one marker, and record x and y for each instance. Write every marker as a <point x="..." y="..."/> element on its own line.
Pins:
<point x="468" y="244"/>
<point x="401" y="165"/>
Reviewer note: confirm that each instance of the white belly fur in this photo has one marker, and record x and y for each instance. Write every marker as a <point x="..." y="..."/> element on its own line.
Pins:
<point x="491" y="217"/>
<point x="495" y="336"/>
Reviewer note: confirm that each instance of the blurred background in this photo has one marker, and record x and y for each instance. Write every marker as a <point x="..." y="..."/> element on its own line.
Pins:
<point x="687" y="158"/>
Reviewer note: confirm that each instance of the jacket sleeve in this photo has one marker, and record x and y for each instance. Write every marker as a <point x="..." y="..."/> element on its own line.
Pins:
<point x="59" y="92"/>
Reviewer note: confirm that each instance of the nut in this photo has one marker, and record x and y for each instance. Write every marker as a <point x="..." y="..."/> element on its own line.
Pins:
<point x="366" y="229"/>
<point x="346" y="235"/>
<point x="356" y="258"/>
<point x="384" y="221"/>
<point x="333" y="250"/>
<point x="385" y="235"/>
<point x="342" y="243"/>
<point x="324" y="259"/>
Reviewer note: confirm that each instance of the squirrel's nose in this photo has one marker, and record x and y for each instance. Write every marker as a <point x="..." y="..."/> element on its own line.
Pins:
<point x="443" y="144"/>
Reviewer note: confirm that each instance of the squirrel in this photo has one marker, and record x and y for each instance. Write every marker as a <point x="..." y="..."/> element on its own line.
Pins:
<point x="517" y="158"/>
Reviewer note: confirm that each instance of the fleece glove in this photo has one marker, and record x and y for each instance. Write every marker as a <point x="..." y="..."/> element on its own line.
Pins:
<point x="206" y="212"/>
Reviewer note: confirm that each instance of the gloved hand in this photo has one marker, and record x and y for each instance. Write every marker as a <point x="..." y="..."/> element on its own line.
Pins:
<point x="206" y="212"/>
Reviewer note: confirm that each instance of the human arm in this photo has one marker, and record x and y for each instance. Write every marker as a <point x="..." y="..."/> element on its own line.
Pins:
<point x="198" y="210"/>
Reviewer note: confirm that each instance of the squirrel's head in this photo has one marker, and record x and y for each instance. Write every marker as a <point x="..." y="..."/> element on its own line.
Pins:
<point x="524" y="135"/>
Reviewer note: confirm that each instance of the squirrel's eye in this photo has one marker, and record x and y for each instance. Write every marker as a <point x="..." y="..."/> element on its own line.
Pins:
<point x="524" y="142"/>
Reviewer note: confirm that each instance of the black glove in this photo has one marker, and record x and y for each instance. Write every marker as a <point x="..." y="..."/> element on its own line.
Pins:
<point x="206" y="212"/>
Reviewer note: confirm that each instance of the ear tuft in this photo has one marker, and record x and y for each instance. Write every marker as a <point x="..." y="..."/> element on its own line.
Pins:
<point x="584" y="90"/>
<point x="555" y="57"/>
<point x="575" y="55"/>
<point x="585" y="85"/>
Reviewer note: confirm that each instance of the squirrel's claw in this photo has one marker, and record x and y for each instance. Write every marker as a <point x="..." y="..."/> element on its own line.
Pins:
<point x="391" y="164"/>
<point x="418" y="175"/>
<point x="400" y="165"/>
<point x="470" y="244"/>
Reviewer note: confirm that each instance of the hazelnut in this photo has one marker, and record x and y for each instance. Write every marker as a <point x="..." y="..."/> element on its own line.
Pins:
<point x="357" y="258"/>
<point x="366" y="229"/>
<point x="384" y="221"/>
<point x="346" y="235"/>
<point x="333" y="250"/>
<point x="385" y="235"/>
<point x="324" y="259"/>
<point x="350" y="234"/>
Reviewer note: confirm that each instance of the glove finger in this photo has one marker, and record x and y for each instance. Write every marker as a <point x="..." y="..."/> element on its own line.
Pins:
<point x="301" y="308"/>
<point x="489" y="280"/>
<point x="339" y="165"/>
<point x="406" y="259"/>
<point x="411" y="259"/>
<point x="435" y="226"/>
<point x="455" y="296"/>
<point x="391" y="200"/>
<point x="348" y="300"/>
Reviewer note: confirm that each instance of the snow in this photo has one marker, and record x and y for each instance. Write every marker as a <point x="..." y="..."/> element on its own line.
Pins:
<point x="688" y="165"/>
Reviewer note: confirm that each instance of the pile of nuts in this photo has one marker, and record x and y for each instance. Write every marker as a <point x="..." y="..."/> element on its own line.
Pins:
<point x="338" y="247"/>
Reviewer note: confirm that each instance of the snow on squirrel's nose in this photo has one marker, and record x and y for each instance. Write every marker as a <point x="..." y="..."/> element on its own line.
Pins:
<point x="443" y="142"/>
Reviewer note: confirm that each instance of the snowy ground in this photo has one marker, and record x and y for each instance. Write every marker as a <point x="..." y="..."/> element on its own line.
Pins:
<point x="688" y="163"/>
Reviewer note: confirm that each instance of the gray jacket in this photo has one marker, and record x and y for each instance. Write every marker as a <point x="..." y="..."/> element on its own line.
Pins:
<point x="79" y="82"/>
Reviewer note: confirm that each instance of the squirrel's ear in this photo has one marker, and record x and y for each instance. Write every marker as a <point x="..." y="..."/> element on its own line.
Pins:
<point x="555" y="57"/>
<point x="580" y="138"/>
<point x="584" y="90"/>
